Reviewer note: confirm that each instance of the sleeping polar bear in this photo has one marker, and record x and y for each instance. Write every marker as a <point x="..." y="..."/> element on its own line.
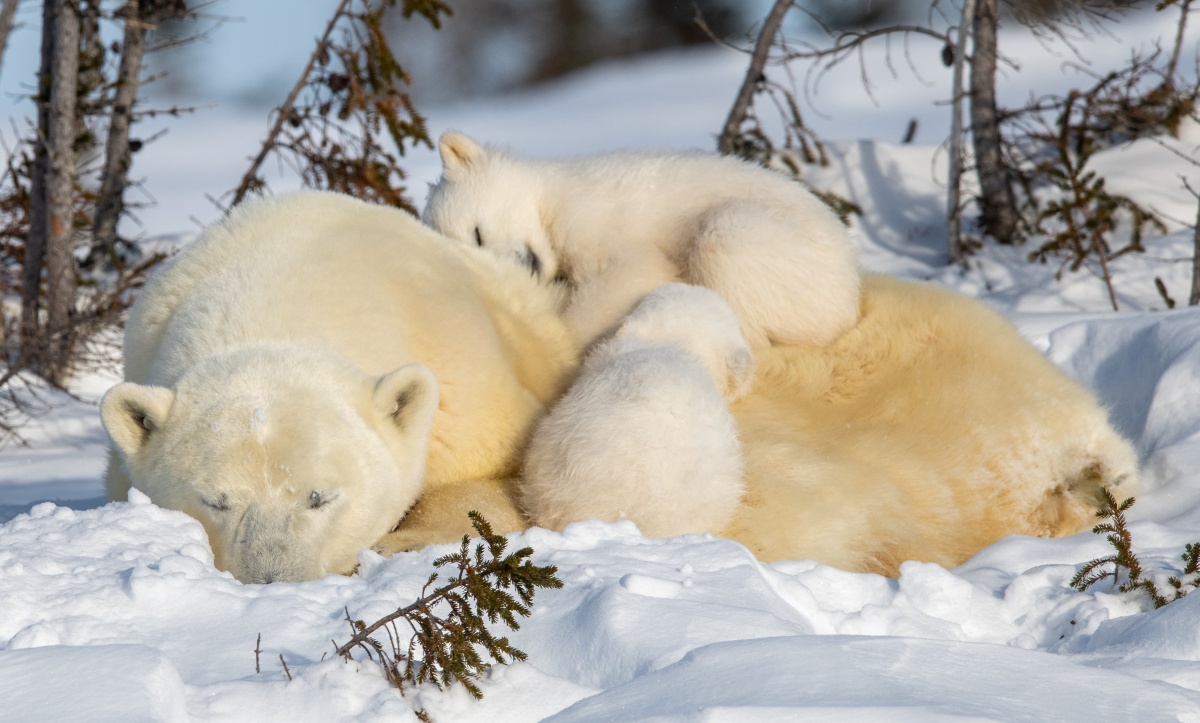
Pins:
<point x="926" y="432"/>
<point x="300" y="373"/>
<point x="276" y="389"/>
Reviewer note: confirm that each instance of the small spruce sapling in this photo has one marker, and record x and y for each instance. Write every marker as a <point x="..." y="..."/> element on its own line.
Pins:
<point x="1121" y="539"/>
<point x="447" y="624"/>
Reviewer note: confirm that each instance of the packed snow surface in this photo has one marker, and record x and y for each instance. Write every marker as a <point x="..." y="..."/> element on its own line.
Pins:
<point x="115" y="612"/>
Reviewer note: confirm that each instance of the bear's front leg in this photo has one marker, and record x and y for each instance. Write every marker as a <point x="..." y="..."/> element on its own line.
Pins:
<point x="440" y="515"/>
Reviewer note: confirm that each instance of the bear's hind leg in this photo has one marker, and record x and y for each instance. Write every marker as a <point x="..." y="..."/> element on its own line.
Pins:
<point x="788" y="284"/>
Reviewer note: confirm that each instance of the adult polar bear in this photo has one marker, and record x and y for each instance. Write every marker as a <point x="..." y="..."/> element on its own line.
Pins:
<point x="273" y="391"/>
<point x="270" y="394"/>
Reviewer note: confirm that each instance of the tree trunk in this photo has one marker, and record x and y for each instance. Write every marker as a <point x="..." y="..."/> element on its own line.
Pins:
<point x="8" y="12"/>
<point x="35" y="244"/>
<point x="954" y="243"/>
<point x="60" y="191"/>
<point x="998" y="203"/>
<point x="109" y="204"/>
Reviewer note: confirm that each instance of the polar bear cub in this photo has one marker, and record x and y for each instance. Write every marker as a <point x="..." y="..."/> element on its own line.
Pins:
<point x="645" y="433"/>
<point x="616" y="226"/>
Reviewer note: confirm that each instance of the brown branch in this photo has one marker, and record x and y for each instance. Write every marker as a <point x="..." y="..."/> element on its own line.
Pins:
<point x="854" y="42"/>
<point x="117" y="152"/>
<point x="421" y="603"/>
<point x="1179" y="31"/>
<point x="851" y="40"/>
<point x="698" y="19"/>
<point x="758" y="60"/>
<point x="282" y="113"/>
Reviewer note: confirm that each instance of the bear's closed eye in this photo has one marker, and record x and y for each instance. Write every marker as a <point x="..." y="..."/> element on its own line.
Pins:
<point x="317" y="500"/>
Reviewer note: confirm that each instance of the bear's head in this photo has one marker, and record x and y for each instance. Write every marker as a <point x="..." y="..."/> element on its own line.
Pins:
<point x="292" y="458"/>
<point x="489" y="199"/>
<point x="695" y="320"/>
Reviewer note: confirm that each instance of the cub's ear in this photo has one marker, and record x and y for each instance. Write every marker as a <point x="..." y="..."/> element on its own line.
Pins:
<point x="131" y="413"/>
<point x="459" y="153"/>
<point x="408" y="397"/>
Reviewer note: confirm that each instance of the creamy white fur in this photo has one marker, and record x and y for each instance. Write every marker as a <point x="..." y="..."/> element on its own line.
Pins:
<point x="645" y="432"/>
<point x="616" y="226"/>
<point x="928" y="431"/>
<point x="284" y="353"/>
<point x="280" y="380"/>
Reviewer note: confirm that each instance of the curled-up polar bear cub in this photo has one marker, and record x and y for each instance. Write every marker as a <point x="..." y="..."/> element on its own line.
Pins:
<point x="616" y="226"/>
<point x="645" y="433"/>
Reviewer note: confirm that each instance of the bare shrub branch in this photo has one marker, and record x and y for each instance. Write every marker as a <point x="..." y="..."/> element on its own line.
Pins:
<point x="732" y="130"/>
<point x="332" y="126"/>
<point x="446" y="626"/>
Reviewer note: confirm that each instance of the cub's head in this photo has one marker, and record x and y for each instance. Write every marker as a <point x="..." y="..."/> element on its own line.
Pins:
<point x="698" y="321"/>
<point x="489" y="199"/>
<point x="293" y="461"/>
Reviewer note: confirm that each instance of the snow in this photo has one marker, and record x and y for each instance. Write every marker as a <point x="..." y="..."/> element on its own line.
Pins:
<point x="115" y="612"/>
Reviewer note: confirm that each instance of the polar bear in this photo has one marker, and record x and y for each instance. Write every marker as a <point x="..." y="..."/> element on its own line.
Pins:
<point x="645" y="431"/>
<point x="287" y="352"/>
<point x="927" y="432"/>
<point x="616" y="226"/>
<point x="301" y="373"/>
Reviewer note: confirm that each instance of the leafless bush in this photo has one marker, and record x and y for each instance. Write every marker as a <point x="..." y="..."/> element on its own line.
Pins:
<point x="349" y="118"/>
<point x="743" y="133"/>
<point x="57" y="176"/>
<point x="1031" y="163"/>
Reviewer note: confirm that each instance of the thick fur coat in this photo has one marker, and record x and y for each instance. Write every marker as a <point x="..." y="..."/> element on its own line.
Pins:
<point x="645" y="432"/>
<point x="927" y="432"/>
<point x="286" y="372"/>
<point x="619" y="225"/>
<point x="298" y="375"/>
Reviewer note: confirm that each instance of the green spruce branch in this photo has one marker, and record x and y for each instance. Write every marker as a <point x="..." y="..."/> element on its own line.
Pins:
<point x="1118" y="535"/>
<point x="447" y="624"/>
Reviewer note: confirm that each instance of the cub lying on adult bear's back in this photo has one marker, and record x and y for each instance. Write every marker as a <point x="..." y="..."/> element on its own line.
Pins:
<point x="284" y="372"/>
<point x="294" y="374"/>
<point x="616" y="226"/>
<point x="927" y="432"/>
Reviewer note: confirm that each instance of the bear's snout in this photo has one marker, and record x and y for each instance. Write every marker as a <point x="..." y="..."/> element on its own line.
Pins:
<point x="266" y="549"/>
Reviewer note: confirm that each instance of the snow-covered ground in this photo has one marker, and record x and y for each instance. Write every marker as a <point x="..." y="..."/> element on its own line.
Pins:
<point x="114" y="612"/>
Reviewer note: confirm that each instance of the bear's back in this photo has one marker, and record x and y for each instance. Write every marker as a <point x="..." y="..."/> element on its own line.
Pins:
<point x="378" y="288"/>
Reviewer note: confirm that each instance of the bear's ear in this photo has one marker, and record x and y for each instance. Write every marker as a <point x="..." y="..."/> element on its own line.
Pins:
<point x="459" y="153"/>
<point x="408" y="397"/>
<point x="131" y="413"/>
